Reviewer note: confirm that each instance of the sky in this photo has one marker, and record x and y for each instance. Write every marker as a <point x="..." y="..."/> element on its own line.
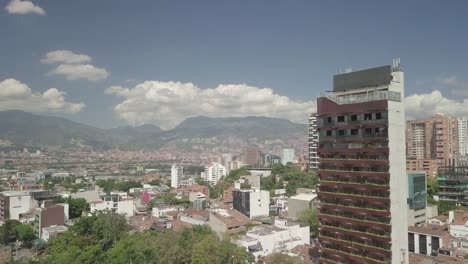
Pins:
<point x="110" y="63"/>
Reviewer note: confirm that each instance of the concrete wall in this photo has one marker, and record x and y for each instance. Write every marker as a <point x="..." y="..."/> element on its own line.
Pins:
<point x="295" y="207"/>
<point x="398" y="176"/>
<point x="259" y="203"/>
<point x="19" y="205"/>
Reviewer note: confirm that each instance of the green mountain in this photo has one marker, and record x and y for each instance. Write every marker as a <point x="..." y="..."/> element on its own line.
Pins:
<point x="26" y="129"/>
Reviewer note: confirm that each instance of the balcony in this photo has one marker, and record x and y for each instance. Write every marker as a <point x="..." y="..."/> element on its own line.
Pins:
<point x="354" y="221"/>
<point x="348" y="254"/>
<point x="369" y="96"/>
<point x="358" y="234"/>
<point x="355" y="174"/>
<point x="355" y="209"/>
<point x="355" y="186"/>
<point x="355" y="161"/>
<point x="354" y="196"/>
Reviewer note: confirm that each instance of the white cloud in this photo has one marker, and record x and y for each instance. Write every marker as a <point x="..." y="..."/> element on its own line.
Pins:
<point x="80" y="72"/>
<point x="426" y="105"/>
<point x="74" y="66"/>
<point x="24" y="7"/>
<point x="65" y="56"/>
<point x="15" y="95"/>
<point x="169" y="103"/>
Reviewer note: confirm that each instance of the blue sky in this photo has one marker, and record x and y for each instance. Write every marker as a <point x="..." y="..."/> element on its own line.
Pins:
<point x="292" y="47"/>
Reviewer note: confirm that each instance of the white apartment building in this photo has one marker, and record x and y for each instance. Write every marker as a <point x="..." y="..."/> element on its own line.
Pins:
<point x="13" y="204"/>
<point x="251" y="202"/>
<point x="313" y="142"/>
<point x="124" y="206"/>
<point x="176" y="175"/>
<point x="288" y="156"/>
<point x="214" y="172"/>
<point x="265" y="240"/>
<point x="462" y="135"/>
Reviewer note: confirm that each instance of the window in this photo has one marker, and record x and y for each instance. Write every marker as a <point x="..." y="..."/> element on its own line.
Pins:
<point x="354" y="132"/>
<point x="422" y="245"/>
<point x="341" y="119"/>
<point x="377" y="131"/>
<point x="341" y="132"/>
<point x="329" y="133"/>
<point x="378" y="115"/>
<point x="367" y="116"/>
<point x="411" y="242"/>
<point x="368" y="131"/>
<point x="329" y="119"/>
<point x="353" y="117"/>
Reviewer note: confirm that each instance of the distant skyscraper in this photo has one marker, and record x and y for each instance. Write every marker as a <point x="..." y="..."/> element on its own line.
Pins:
<point x="313" y="142"/>
<point x="251" y="156"/>
<point x="288" y="156"/>
<point x="363" y="183"/>
<point x="462" y="136"/>
<point x="213" y="173"/>
<point x="433" y="138"/>
<point x="176" y="175"/>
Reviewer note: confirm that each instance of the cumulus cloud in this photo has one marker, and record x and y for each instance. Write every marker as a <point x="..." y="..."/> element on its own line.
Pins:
<point x="65" y="56"/>
<point x="24" y="7"/>
<point x="169" y="103"/>
<point x="426" y="105"/>
<point x="74" y="66"/>
<point x="80" y="72"/>
<point x="15" y="95"/>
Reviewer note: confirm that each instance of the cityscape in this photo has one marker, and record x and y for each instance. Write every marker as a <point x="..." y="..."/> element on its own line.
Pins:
<point x="145" y="164"/>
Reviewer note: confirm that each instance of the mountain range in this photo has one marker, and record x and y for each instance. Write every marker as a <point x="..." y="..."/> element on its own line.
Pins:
<point x="26" y="129"/>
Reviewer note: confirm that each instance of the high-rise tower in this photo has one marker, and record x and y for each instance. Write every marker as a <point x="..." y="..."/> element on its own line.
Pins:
<point x="363" y="183"/>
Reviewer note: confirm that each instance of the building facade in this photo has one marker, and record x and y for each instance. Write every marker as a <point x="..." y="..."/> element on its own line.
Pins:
<point x="214" y="172"/>
<point x="433" y="138"/>
<point x="363" y="184"/>
<point x="288" y="156"/>
<point x="176" y="175"/>
<point x="48" y="216"/>
<point x="428" y="165"/>
<point x="462" y="135"/>
<point x="453" y="184"/>
<point x="313" y="142"/>
<point x="252" y="203"/>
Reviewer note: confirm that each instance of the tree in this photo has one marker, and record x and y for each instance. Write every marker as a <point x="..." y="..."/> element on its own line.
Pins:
<point x="205" y="251"/>
<point x="280" y="258"/>
<point x="8" y="231"/>
<point x="111" y="227"/>
<point x="77" y="206"/>
<point x="445" y="206"/>
<point x="309" y="217"/>
<point x="25" y="233"/>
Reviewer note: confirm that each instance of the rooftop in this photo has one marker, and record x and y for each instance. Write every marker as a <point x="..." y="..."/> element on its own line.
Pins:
<point x="433" y="230"/>
<point x="304" y="196"/>
<point x="231" y="218"/>
<point x="263" y="230"/>
<point x="15" y="193"/>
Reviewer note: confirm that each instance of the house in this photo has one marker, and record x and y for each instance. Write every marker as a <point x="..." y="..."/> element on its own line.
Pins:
<point x="227" y="222"/>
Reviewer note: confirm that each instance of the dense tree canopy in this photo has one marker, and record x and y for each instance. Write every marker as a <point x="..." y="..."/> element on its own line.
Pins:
<point x="309" y="217"/>
<point x="293" y="176"/>
<point x="103" y="238"/>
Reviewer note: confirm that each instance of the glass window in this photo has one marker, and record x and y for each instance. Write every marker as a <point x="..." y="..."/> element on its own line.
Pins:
<point x="341" y="119"/>
<point x="329" y="119"/>
<point x="354" y="132"/>
<point x="353" y="117"/>
<point x="341" y="132"/>
<point x="329" y="133"/>
<point x="367" y="116"/>
<point x="368" y="131"/>
<point x="378" y="115"/>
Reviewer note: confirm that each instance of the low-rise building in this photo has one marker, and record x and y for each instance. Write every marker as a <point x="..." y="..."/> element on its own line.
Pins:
<point x="115" y="204"/>
<point x="428" y="240"/>
<point x="284" y="235"/>
<point x="49" y="215"/>
<point x="252" y="202"/>
<point x="51" y="231"/>
<point x="227" y="222"/>
<point x="301" y="202"/>
<point x="458" y="220"/>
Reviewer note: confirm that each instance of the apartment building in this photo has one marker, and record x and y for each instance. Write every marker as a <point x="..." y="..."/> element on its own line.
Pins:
<point x="433" y="138"/>
<point x="363" y="186"/>
<point x="313" y="142"/>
